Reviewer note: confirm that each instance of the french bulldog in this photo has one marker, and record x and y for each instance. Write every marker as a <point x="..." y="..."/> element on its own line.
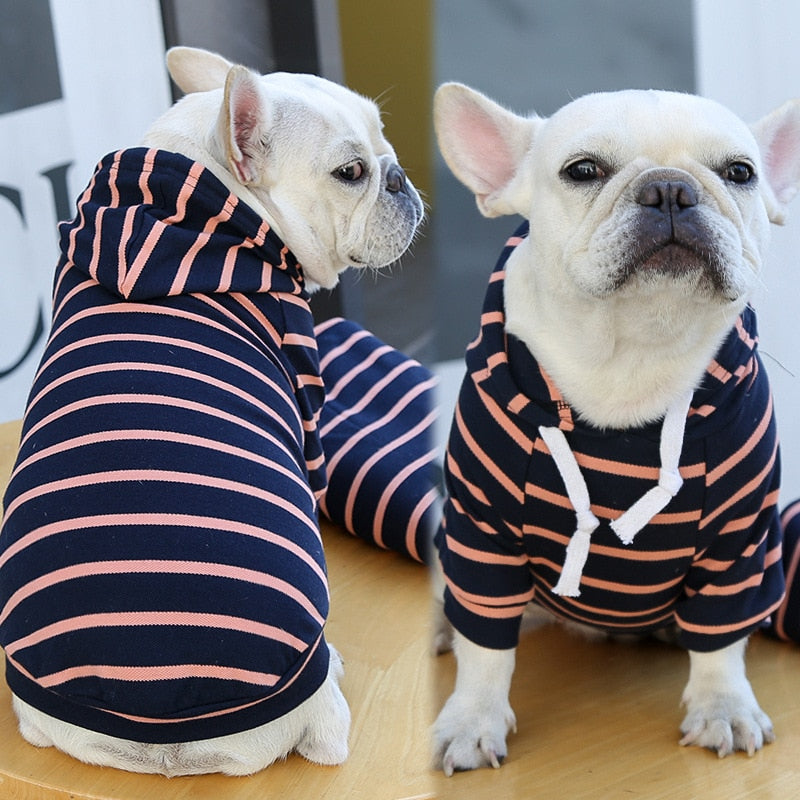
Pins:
<point x="193" y="462"/>
<point x="613" y="457"/>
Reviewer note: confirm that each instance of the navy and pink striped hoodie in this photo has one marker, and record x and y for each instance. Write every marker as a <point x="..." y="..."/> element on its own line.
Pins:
<point x="161" y="570"/>
<point x="706" y="554"/>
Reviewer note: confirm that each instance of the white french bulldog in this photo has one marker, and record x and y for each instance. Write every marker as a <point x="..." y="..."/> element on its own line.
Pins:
<point x="648" y="219"/>
<point x="306" y="153"/>
<point x="309" y="157"/>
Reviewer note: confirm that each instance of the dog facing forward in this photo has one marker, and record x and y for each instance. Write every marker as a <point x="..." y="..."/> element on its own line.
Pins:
<point x="613" y="456"/>
<point x="163" y="591"/>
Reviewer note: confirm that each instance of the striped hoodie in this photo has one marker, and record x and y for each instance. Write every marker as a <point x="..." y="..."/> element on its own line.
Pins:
<point x="522" y="510"/>
<point x="161" y="570"/>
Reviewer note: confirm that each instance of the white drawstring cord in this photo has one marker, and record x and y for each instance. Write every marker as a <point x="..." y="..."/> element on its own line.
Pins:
<point x="669" y="477"/>
<point x="637" y="516"/>
<point x="578" y="493"/>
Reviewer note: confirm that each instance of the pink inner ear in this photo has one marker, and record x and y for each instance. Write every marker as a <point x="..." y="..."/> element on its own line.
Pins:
<point x="783" y="164"/>
<point x="780" y="143"/>
<point x="246" y="118"/>
<point x="485" y="149"/>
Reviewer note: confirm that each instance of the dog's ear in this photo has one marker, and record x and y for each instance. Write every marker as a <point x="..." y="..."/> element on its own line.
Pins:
<point x="196" y="70"/>
<point x="778" y="137"/>
<point x="484" y="144"/>
<point x="241" y="124"/>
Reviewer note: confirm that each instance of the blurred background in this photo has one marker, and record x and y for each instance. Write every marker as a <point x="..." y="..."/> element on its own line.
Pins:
<point x="81" y="78"/>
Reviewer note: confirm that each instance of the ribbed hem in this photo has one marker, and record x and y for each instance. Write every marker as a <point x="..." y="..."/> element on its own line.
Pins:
<point x="208" y="722"/>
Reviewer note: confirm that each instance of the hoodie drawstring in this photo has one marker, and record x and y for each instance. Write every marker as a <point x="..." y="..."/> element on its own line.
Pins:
<point x="637" y="516"/>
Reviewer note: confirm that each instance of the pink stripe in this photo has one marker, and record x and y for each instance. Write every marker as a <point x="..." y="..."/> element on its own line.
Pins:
<point x="94" y="262"/>
<point x="266" y="276"/>
<point x="488" y="463"/>
<point x="141" y="619"/>
<point x="391" y="488"/>
<point x="129" y="281"/>
<point x="328" y="323"/>
<point x="184" y="520"/>
<point x="261" y="234"/>
<point x="146" y="308"/>
<point x="230" y="257"/>
<point x="227" y="270"/>
<point x="166" y="673"/>
<point x="125" y="235"/>
<point x="376" y="389"/>
<point x="298" y="340"/>
<point x="148" y="399"/>
<point x="73" y="234"/>
<point x="76" y="290"/>
<point x="185" y="267"/>
<point x="413" y="523"/>
<point x="202" y="378"/>
<point x="294" y="299"/>
<point x="168" y="436"/>
<point x="144" y="178"/>
<point x="248" y="305"/>
<point x="362" y="366"/>
<point x="172" y="342"/>
<point x="200" y="568"/>
<point x="161" y="476"/>
<point x="344" y="347"/>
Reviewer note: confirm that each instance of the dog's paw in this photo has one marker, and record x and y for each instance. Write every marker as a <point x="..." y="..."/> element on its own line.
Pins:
<point x="469" y="735"/>
<point x="327" y="725"/>
<point x="725" y="723"/>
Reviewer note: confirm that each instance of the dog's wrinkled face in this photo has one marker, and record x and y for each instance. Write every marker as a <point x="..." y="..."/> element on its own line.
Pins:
<point x="306" y="153"/>
<point x="333" y="180"/>
<point x="649" y="216"/>
<point x="676" y="199"/>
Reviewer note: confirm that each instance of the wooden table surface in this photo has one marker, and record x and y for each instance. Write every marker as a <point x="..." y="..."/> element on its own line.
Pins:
<point x="596" y="720"/>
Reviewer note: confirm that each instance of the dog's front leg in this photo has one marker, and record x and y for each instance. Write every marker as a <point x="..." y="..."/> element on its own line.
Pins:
<point x="722" y="712"/>
<point x="471" y="729"/>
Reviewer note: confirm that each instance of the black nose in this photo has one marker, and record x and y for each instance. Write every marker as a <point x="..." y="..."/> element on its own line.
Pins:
<point x="667" y="196"/>
<point x="395" y="178"/>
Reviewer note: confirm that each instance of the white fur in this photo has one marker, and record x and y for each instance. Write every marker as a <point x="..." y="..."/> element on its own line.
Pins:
<point x="276" y="142"/>
<point x="620" y="351"/>
<point x="471" y="729"/>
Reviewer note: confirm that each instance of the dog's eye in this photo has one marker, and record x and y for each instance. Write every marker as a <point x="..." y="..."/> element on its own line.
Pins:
<point x="351" y="172"/>
<point x="584" y="170"/>
<point x="738" y="172"/>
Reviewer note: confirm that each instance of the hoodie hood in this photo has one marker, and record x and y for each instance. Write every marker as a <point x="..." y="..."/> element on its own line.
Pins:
<point x="182" y="232"/>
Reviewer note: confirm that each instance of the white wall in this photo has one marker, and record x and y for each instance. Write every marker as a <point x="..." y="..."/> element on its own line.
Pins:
<point x="111" y="63"/>
<point x="748" y="57"/>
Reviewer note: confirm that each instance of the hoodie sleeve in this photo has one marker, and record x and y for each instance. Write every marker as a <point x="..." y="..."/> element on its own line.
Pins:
<point x="488" y="579"/>
<point x="737" y="581"/>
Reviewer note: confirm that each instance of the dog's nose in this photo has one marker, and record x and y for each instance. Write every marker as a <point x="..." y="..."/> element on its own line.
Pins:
<point x="667" y="195"/>
<point x="395" y="178"/>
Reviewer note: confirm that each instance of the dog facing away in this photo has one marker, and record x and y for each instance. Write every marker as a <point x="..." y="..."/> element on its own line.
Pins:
<point x="163" y="591"/>
<point x="613" y="456"/>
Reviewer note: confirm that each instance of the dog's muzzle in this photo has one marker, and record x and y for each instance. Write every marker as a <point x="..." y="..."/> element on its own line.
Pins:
<point x="672" y="235"/>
